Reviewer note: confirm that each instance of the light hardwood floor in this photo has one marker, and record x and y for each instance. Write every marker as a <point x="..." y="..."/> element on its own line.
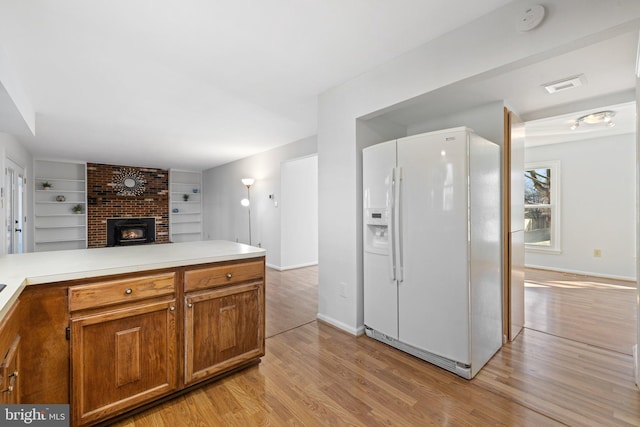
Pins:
<point x="291" y="299"/>
<point x="592" y="310"/>
<point x="316" y="375"/>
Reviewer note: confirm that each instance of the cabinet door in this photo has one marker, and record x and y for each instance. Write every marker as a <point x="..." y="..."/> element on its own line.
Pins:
<point x="121" y="358"/>
<point x="9" y="379"/>
<point x="223" y="329"/>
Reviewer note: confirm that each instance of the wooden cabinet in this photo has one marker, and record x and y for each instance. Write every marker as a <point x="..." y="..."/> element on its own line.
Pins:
<point x="10" y="358"/>
<point x="132" y="339"/>
<point x="124" y="356"/>
<point x="9" y="374"/>
<point x="224" y="319"/>
<point x="223" y="329"/>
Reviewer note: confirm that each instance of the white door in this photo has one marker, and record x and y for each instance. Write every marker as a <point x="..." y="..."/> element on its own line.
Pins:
<point x="15" y="213"/>
<point x="434" y="295"/>
<point x="380" y="289"/>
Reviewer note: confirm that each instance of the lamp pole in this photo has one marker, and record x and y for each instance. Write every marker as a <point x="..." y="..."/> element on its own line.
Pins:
<point x="249" y="207"/>
<point x="248" y="182"/>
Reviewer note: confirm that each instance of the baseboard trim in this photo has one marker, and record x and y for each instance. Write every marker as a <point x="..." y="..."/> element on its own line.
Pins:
<point x="340" y="325"/>
<point x="291" y="267"/>
<point x="582" y="273"/>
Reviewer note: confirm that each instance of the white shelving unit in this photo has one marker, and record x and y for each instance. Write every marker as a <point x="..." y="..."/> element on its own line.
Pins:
<point x="185" y="216"/>
<point x="56" y="226"/>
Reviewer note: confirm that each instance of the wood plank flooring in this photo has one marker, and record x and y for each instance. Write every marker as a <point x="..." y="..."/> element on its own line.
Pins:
<point x="592" y="310"/>
<point x="291" y="299"/>
<point x="316" y="375"/>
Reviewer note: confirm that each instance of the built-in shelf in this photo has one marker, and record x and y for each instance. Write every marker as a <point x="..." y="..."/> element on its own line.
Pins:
<point x="185" y="216"/>
<point x="57" y="226"/>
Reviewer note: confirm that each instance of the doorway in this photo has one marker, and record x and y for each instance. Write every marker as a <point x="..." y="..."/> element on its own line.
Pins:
<point x="580" y="229"/>
<point x="299" y="212"/>
<point x="15" y="209"/>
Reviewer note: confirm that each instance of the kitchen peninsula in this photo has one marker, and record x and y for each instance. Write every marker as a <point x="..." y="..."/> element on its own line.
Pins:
<point x="112" y="329"/>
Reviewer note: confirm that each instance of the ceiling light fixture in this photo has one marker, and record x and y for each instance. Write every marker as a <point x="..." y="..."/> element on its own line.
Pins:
<point x="564" y="84"/>
<point x="605" y="117"/>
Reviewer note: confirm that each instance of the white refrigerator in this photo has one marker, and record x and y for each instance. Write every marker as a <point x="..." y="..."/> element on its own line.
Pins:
<point x="432" y="247"/>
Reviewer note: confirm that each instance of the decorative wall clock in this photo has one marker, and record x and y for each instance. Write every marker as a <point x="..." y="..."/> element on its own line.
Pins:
<point x="129" y="182"/>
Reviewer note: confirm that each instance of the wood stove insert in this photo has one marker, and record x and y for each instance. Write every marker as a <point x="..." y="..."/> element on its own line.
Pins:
<point x="130" y="231"/>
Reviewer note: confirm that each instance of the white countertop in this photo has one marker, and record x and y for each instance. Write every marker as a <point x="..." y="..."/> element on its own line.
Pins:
<point x="20" y="270"/>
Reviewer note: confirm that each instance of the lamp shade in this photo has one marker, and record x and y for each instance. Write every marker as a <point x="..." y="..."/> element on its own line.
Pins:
<point x="248" y="181"/>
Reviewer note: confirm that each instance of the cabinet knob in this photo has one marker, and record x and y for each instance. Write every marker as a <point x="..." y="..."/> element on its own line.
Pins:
<point x="128" y="291"/>
<point x="228" y="275"/>
<point x="172" y="308"/>
<point x="189" y="305"/>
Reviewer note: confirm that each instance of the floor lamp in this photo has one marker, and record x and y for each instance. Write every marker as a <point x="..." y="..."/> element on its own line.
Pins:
<point x="248" y="182"/>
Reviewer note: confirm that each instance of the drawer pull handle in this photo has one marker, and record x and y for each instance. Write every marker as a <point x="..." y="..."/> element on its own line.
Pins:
<point x="128" y="291"/>
<point x="172" y="308"/>
<point x="228" y="275"/>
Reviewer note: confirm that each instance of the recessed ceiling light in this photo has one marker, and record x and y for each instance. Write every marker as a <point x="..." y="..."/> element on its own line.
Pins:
<point x="564" y="84"/>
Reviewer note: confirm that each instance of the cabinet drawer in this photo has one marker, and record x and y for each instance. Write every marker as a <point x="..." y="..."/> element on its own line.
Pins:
<point x="103" y="294"/>
<point x="222" y="275"/>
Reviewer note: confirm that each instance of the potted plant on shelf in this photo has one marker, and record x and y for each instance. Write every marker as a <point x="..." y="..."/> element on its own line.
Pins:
<point x="77" y="209"/>
<point x="185" y="197"/>
<point x="46" y="185"/>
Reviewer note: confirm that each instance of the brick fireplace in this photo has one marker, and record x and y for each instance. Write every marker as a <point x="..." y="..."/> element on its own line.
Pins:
<point x="115" y="191"/>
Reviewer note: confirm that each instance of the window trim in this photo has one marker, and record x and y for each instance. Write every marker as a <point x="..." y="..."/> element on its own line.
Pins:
<point x="554" y="205"/>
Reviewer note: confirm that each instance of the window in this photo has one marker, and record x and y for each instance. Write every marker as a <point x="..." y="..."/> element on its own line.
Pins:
<point x="542" y="207"/>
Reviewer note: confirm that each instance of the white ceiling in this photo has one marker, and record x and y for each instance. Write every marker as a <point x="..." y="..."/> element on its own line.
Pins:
<point x="196" y="83"/>
<point x="608" y="67"/>
<point x="557" y="129"/>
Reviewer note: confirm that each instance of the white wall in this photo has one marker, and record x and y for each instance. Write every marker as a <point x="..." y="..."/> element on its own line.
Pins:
<point x="299" y="212"/>
<point x="225" y="218"/>
<point x="598" y="199"/>
<point x="11" y="148"/>
<point x="489" y="45"/>
<point x="18" y="115"/>
<point x="485" y="120"/>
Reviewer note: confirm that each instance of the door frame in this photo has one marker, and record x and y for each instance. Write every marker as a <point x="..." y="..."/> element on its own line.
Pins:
<point x="13" y="190"/>
<point x="513" y="248"/>
<point x="506" y="217"/>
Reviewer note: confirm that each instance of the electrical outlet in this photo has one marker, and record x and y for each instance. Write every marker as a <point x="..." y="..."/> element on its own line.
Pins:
<point x="343" y="289"/>
<point x="597" y="253"/>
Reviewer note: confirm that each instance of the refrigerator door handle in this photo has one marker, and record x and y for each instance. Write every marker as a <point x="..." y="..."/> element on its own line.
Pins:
<point x="391" y="191"/>
<point x="398" y="226"/>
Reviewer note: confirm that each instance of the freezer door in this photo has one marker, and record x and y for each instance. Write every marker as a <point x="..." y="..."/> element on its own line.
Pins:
<point x="434" y="293"/>
<point x="380" y="288"/>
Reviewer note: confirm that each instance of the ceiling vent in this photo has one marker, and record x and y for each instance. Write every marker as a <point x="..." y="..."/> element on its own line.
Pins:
<point x="565" y="84"/>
